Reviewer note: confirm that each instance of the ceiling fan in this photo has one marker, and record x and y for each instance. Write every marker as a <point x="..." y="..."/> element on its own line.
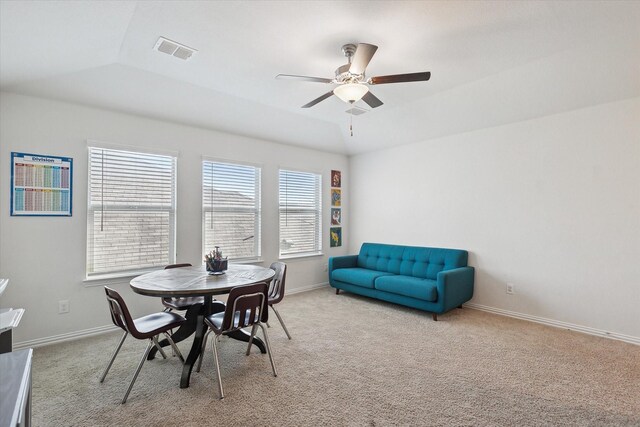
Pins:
<point x="352" y="83"/>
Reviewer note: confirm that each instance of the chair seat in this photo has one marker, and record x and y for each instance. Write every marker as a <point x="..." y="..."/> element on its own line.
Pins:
<point x="181" y="303"/>
<point x="153" y="324"/>
<point x="215" y="320"/>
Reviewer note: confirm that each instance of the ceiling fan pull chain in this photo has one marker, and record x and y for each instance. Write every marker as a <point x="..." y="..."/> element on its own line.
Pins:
<point x="351" y="121"/>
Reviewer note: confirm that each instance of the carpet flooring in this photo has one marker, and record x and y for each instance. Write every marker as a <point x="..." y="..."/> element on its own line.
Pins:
<point x="354" y="361"/>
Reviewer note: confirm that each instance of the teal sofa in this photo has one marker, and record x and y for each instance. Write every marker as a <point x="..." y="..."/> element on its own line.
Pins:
<point x="431" y="279"/>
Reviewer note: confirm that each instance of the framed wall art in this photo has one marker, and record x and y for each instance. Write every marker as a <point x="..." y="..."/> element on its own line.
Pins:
<point x="336" y="237"/>
<point x="336" y="197"/>
<point x="336" y="216"/>
<point x="336" y="179"/>
<point x="335" y="233"/>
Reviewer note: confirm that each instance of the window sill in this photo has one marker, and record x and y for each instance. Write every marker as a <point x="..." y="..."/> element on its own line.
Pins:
<point x="300" y="256"/>
<point x="105" y="279"/>
<point x="247" y="261"/>
<point x="125" y="278"/>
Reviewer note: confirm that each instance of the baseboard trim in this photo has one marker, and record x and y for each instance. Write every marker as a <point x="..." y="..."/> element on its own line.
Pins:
<point x="306" y="288"/>
<point x="556" y="323"/>
<point x="70" y="336"/>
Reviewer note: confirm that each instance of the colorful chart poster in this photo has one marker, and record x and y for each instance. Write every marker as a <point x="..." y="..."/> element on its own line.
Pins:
<point x="41" y="185"/>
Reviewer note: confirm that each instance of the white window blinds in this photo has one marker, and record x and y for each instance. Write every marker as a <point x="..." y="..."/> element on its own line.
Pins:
<point x="231" y="209"/>
<point x="131" y="212"/>
<point x="300" y="213"/>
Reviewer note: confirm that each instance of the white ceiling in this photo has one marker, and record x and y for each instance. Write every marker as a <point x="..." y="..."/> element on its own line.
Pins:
<point x="491" y="62"/>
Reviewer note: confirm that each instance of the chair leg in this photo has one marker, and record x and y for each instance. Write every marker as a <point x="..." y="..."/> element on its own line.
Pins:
<point x="168" y="310"/>
<point x="155" y="341"/>
<point x="434" y="316"/>
<point x="203" y="349"/>
<point x="113" y="357"/>
<point x="268" y="345"/>
<point x="253" y="334"/>
<point x="215" y="359"/>
<point x="281" y="321"/>
<point x="174" y="347"/>
<point x="135" y="376"/>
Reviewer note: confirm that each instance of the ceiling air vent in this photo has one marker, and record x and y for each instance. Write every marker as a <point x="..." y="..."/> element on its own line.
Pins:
<point x="174" y="49"/>
<point x="356" y="111"/>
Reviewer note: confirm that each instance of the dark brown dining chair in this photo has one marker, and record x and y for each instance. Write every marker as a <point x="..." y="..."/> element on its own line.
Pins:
<point x="146" y="327"/>
<point x="246" y="306"/>
<point x="180" y="303"/>
<point x="276" y="290"/>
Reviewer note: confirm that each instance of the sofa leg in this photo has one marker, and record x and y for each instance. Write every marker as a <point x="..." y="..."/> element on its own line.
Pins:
<point x="460" y="306"/>
<point x="337" y="291"/>
<point x="435" y="317"/>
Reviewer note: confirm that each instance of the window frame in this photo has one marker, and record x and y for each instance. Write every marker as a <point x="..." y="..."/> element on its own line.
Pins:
<point x="257" y="257"/>
<point x="91" y="210"/>
<point x="317" y="251"/>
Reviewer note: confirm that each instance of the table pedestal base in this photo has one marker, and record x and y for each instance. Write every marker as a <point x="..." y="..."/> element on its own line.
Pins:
<point x="195" y="323"/>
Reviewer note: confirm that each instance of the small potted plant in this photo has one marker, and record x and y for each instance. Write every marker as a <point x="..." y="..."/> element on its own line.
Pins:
<point x="214" y="261"/>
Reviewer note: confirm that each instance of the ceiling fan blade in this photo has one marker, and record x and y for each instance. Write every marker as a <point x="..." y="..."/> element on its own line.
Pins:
<point x="304" y="78"/>
<point x="372" y="100"/>
<point x="319" y="99"/>
<point x="361" y="58"/>
<point x="400" y="78"/>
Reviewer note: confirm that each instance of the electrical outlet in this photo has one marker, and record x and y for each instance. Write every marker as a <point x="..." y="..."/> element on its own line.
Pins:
<point x="326" y="267"/>
<point x="63" y="306"/>
<point x="510" y="289"/>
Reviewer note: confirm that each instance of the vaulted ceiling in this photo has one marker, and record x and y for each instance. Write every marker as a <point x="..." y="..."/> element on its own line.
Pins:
<point x="491" y="62"/>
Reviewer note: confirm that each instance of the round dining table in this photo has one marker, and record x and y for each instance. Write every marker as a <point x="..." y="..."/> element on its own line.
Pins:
<point x="197" y="281"/>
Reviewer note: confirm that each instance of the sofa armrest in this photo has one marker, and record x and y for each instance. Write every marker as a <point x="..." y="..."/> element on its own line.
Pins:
<point x="347" y="261"/>
<point x="455" y="287"/>
<point x="336" y="262"/>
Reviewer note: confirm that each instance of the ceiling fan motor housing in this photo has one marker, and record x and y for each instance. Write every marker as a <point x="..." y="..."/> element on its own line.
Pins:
<point x="342" y="73"/>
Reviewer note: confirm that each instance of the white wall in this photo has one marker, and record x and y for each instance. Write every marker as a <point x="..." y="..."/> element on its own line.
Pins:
<point x="44" y="258"/>
<point x="551" y="205"/>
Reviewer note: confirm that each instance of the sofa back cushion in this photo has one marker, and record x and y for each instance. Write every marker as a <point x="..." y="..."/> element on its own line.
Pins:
<point x="413" y="261"/>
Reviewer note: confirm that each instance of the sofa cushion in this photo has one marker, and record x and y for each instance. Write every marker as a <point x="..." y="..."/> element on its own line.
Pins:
<point x="358" y="276"/>
<point x="413" y="287"/>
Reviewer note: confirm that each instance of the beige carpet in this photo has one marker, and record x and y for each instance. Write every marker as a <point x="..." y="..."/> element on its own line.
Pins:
<point x="354" y="361"/>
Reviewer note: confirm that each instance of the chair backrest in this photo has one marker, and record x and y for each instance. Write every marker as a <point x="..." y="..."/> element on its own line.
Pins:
<point x="246" y="306"/>
<point x="119" y="312"/>
<point x="276" y="287"/>
<point x="185" y="264"/>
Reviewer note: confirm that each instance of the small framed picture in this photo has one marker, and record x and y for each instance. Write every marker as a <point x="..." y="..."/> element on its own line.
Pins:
<point x="335" y="238"/>
<point x="336" y="197"/>
<point x="336" y="216"/>
<point x="336" y="179"/>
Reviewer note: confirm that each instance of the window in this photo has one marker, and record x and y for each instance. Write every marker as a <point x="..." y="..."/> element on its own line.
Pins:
<point x="131" y="212"/>
<point x="231" y="209"/>
<point x="300" y="213"/>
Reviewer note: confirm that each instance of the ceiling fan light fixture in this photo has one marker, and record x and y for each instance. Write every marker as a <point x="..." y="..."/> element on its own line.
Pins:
<point x="351" y="92"/>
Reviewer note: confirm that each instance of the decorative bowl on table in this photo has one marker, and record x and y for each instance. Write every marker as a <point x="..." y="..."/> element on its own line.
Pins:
<point x="215" y="262"/>
<point x="216" y="266"/>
